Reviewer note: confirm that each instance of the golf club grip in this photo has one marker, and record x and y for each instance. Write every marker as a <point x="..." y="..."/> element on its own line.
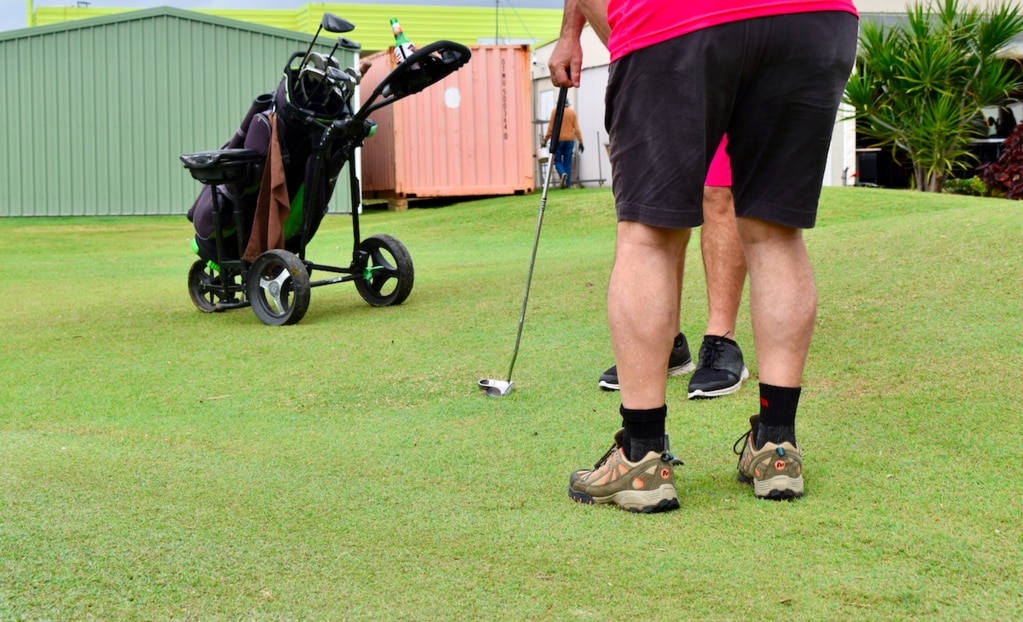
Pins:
<point x="559" y="116"/>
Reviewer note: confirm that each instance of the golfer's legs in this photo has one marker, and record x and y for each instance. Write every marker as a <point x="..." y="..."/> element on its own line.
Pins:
<point x="783" y="299"/>
<point x="723" y="261"/>
<point x="642" y="309"/>
<point x="679" y="272"/>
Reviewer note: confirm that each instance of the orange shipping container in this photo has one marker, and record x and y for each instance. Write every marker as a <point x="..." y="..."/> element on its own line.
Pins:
<point x="468" y="135"/>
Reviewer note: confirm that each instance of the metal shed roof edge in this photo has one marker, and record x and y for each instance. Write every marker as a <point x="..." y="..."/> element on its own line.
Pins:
<point x="469" y="25"/>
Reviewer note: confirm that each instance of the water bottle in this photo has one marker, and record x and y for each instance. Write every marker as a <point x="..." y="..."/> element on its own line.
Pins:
<point x="403" y="48"/>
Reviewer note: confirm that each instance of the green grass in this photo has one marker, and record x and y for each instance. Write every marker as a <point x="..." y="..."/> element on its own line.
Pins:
<point x="159" y="463"/>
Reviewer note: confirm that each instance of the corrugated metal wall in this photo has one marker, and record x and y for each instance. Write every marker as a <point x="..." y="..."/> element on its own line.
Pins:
<point x="98" y="111"/>
<point x="468" y="135"/>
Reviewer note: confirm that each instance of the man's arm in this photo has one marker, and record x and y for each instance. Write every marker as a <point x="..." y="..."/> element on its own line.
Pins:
<point x="566" y="60"/>
<point x="595" y="12"/>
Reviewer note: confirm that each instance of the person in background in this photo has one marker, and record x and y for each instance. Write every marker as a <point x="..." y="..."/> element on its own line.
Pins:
<point x="566" y="143"/>
<point x="721" y="369"/>
<point x="745" y="68"/>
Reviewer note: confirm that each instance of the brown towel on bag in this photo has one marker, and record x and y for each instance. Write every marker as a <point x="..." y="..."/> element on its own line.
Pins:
<point x="272" y="205"/>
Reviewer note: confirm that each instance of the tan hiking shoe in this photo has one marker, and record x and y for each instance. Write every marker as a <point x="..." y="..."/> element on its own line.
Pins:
<point x="775" y="471"/>
<point x="645" y="486"/>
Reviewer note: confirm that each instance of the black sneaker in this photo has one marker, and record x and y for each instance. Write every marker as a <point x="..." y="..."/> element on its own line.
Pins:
<point x="721" y="369"/>
<point x="679" y="362"/>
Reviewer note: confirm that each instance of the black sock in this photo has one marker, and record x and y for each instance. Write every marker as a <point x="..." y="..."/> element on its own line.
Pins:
<point x="777" y="422"/>
<point x="642" y="431"/>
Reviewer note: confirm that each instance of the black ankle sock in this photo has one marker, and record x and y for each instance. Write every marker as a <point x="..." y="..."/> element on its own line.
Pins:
<point x="777" y="422"/>
<point x="642" y="431"/>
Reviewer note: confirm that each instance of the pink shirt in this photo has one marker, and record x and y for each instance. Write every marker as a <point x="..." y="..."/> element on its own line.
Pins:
<point x="636" y="24"/>
<point x="720" y="171"/>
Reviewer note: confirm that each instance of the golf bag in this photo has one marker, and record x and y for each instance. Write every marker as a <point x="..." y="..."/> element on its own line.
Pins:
<point x="300" y="95"/>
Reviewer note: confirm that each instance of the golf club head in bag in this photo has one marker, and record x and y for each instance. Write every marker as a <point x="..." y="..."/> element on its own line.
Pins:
<point x="500" y="388"/>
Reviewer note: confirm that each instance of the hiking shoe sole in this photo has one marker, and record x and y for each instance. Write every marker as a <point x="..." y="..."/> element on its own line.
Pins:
<point x="663" y="499"/>
<point x="779" y="488"/>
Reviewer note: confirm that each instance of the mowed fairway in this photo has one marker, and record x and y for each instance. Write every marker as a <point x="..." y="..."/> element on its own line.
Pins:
<point x="158" y="463"/>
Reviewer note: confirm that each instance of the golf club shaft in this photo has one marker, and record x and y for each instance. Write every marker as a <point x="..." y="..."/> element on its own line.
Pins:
<point x="559" y="114"/>
<point x="309" y="50"/>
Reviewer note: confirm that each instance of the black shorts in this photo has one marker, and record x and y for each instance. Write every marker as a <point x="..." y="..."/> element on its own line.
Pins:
<point x="772" y="83"/>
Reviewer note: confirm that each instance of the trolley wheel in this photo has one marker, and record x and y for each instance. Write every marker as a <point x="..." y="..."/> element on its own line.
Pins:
<point x="278" y="288"/>
<point x="388" y="275"/>
<point x="204" y="288"/>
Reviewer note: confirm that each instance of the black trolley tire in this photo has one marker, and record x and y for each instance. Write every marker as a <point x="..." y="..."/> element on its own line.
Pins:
<point x="200" y="286"/>
<point x="278" y="288"/>
<point x="391" y="273"/>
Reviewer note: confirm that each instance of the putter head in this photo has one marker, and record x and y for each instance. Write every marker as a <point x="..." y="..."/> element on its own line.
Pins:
<point x="496" y="388"/>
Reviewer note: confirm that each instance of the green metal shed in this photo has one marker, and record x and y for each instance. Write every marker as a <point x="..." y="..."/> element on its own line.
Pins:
<point x="98" y="110"/>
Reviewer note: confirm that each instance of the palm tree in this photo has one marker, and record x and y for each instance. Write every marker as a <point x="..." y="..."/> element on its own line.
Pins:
<point x="919" y="87"/>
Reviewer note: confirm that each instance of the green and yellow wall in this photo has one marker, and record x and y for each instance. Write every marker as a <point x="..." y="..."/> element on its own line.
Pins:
<point x="423" y="24"/>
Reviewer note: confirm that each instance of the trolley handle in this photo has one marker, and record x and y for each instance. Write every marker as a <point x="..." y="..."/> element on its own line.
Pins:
<point x="426" y="66"/>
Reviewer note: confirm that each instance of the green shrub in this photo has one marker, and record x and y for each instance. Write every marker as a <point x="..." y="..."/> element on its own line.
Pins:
<point x="973" y="187"/>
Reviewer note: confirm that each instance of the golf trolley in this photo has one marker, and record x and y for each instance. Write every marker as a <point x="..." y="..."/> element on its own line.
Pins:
<point x="267" y="189"/>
